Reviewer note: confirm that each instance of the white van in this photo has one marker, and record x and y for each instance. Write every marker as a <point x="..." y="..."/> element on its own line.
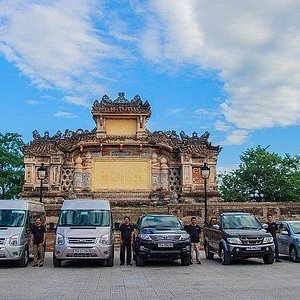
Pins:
<point x="84" y="231"/>
<point x="16" y="219"/>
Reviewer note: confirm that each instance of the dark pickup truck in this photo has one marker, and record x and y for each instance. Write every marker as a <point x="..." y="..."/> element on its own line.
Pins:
<point x="235" y="235"/>
<point x="161" y="237"/>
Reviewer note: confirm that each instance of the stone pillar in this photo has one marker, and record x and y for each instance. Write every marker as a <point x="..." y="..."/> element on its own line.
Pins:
<point x="164" y="174"/>
<point x="187" y="177"/>
<point x="87" y="172"/>
<point x="78" y="184"/>
<point x="155" y="172"/>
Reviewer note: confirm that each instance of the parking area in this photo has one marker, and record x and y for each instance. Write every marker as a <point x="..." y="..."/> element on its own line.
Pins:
<point x="250" y="279"/>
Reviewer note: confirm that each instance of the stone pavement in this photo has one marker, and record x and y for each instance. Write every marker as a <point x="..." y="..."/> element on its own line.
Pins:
<point x="250" y="279"/>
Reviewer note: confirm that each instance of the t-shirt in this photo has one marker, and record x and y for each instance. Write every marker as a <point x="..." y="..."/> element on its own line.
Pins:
<point x="126" y="231"/>
<point x="194" y="232"/>
<point x="38" y="234"/>
<point x="272" y="228"/>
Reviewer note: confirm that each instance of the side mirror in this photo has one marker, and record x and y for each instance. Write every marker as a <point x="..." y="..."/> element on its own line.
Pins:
<point x="284" y="232"/>
<point x="135" y="226"/>
<point x="215" y="226"/>
<point x="116" y="226"/>
<point x="265" y="226"/>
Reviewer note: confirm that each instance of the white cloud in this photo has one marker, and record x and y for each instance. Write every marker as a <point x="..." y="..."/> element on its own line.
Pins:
<point x="65" y="114"/>
<point x="77" y="101"/>
<point x="222" y="126"/>
<point x="32" y="102"/>
<point x="56" y="44"/>
<point x="254" y="45"/>
<point x="236" y="137"/>
<point x="176" y="111"/>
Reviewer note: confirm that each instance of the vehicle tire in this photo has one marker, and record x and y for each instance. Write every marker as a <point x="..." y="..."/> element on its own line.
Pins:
<point x="23" y="262"/>
<point x="186" y="260"/>
<point x="225" y="257"/>
<point x="208" y="254"/>
<point x="268" y="258"/>
<point x="110" y="261"/>
<point x="56" y="262"/>
<point x="139" y="261"/>
<point x="294" y="254"/>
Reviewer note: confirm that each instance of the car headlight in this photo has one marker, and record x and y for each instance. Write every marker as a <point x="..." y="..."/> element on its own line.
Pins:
<point x="104" y="239"/>
<point x="184" y="236"/>
<point x="60" y="240"/>
<point x="14" y="240"/>
<point x="267" y="240"/>
<point x="144" y="236"/>
<point x="234" y="240"/>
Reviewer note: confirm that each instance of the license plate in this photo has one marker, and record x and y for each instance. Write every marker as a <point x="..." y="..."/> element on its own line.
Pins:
<point x="81" y="251"/>
<point x="165" y="245"/>
<point x="253" y="248"/>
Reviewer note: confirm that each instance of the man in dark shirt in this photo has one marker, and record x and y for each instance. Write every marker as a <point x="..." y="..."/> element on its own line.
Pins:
<point x="38" y="237"/>
<point x="126" y="241"/>
<point x="194" y="231"/>
<point x="273" y="228"/>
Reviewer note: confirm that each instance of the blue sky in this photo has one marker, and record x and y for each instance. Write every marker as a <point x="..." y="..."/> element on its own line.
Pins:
<point x="228" y="67"/>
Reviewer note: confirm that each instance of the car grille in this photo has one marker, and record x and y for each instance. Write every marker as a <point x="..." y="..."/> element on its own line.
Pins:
<point x="81" y="240"/>
<point x="165" y="237"/>
<point x="2" y="241"/>
<point x="252" y="240"/>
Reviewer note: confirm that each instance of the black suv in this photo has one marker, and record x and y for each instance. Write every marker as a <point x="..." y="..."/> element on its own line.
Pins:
<point x="161" y="237"/>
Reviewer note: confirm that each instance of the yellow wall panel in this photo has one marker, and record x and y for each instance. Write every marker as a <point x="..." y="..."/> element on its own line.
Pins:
<point x="120" y="126"/>
<point x="121" y="174"/>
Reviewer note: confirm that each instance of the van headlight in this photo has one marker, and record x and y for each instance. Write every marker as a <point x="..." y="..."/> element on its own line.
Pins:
<point x="267" y="240"/>
<point x="184" y="236"/>
<point x="60" y="240"/>
<point x="104" y="239"/>
<point x="144" y="236"/>
<point x="14" y="240"/>
<point x="234" y="240"/>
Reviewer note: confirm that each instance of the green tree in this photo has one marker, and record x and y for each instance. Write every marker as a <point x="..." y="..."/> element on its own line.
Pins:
<point x="276" y="177"/>
<point x="11" y="165"/>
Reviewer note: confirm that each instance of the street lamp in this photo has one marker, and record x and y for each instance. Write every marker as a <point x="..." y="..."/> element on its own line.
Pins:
<point x="42" y="175"/>
<point x="257" y="196"/>
<point x="205" y="170"/>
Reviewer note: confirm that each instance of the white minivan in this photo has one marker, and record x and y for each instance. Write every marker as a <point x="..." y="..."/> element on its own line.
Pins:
<point x="84" y="231"/>
<point x="16" y="219"/>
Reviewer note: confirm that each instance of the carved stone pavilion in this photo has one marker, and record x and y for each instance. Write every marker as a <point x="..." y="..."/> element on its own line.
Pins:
<point x="121" y="160"/>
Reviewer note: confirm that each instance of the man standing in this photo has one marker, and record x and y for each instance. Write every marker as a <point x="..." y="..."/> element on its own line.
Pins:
<point x="38" y="238"/>
<point x="273" y="228"/>
<point x="126" y="238"/>
<point x="194" y="231"/>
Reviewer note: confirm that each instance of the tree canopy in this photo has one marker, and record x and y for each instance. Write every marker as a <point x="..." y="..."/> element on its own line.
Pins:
<point x="11" y="165"/>
<point x="267" y="175"/>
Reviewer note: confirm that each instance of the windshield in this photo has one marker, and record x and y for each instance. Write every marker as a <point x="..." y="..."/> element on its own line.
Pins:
<point x="295" y="227"/>
<point x="241" y="222"/>
<point x="12" y="218"/>
<point x="84" y="218"/>
<point x="161" y="222"/>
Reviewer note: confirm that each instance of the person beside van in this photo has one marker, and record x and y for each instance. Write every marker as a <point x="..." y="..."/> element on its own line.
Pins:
<point x="38" y="237"/>
<point x="126" y="239"/>
<point x="273" y="228"/>
<point x="194" y="231"/>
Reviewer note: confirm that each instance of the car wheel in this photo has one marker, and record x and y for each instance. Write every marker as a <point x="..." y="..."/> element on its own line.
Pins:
<point x="139" y="261"/>
<point x="208" y="254"/>
<point x="225" y="257"/>
<point x="186" y="260"/>
<point x="56" y="262"/>
<point x="23" y="262"/>
<point x="268" y="258"/>
<point x="294" y="254"/>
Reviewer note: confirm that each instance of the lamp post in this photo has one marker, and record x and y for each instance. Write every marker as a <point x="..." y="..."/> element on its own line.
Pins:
<point x="205" y="170"/>
<point x="42" y="175"/>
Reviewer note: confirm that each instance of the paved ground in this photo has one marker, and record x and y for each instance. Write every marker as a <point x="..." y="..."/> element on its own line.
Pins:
<point x="246" y="280"/>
